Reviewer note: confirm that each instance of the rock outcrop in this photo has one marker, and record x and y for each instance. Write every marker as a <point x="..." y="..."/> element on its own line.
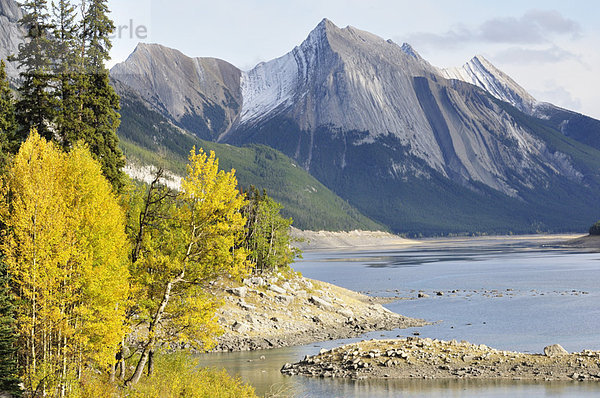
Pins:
<point x="279" y="312"/>
<point x="11" y="34"/>
<point x="414" y="357"/>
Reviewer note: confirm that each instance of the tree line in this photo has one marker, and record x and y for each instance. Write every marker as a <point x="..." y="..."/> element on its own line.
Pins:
<point x="97" y="272"/>
<point x="64" y="91"/>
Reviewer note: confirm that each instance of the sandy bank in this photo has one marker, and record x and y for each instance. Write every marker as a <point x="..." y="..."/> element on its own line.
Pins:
<point x="435" y="359"/>
<point x="583" y="242"/>
<point x="311" y="240"/>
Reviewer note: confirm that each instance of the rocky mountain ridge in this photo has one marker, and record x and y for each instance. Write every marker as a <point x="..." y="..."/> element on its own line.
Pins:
<point x="415" y="147"/>
<point x="377" y="123"/>
<point x="349" y="80"/>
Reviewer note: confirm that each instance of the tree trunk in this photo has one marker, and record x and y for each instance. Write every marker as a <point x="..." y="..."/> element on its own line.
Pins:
<point x="139" y="369"/>
<point x="150" y="363"/>
<point x="122" y="362"/>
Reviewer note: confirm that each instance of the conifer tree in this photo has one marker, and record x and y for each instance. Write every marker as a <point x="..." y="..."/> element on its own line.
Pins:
<point x="9" y="381"/>
<point x="101" y="102"/>
<point x="268" y="238"/>
<point x="36" y="107"/>
<point x="8" y="124"/>
<point x="69" y="75"/>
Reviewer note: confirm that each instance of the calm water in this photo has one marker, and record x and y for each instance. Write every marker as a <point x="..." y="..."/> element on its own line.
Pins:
<point x="506" y="293"/>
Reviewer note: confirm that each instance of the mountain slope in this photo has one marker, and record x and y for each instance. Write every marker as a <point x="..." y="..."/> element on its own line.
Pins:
<point x="147" y="138"/>
<point x="481" y="73"/>
<point x="416" y="148"/>
<point x="360" y="82"/>
<point x="369" y="104"/>
<point x="201" y="95"/>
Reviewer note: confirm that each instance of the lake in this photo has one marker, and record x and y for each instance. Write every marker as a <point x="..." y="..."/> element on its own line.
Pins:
<point x="508" y="293"/>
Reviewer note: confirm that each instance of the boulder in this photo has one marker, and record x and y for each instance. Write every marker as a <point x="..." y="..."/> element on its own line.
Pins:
<point x="284" y="299"/>
<point x="240" y="327"/>
<point x="346" y="312"/>
<point x="238" y="291"/>
<point x="320" y="303"/>
<point x="255" y="280"/>
<point x="248" y="307"/>
<point x="555" y="350"/>
<point x="277" y="289"/>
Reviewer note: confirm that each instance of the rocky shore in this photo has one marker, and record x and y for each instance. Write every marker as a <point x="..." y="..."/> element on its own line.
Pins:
<point x="288" y="310"/>
<point x="414" y="357"/>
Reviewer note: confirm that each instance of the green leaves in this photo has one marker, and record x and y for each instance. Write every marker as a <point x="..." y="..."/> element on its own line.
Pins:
<point x="268" y="239"/>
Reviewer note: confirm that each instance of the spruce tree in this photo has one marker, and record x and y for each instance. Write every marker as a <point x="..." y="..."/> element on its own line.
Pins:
<point x="101" y="102"/>
<point x="36" y="107"/>
<point x="9" y="381"/>
<point x="8" y="124"/>
<point x="69" y="75"/>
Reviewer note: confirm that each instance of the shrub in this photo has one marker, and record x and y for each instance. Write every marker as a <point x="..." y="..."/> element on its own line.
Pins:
<point x="595" y="229"/>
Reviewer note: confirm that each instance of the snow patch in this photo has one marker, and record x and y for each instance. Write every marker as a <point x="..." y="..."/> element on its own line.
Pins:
<point x="274" y="85"/>
<point x="483" y="74"/>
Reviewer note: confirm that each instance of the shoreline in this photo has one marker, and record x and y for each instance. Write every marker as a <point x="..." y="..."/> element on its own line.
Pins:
<point x="326" y="240"/>
<point x="345" y="240"/>
<point x="275" y="312"/>
<point x="289" y="310"/>
<point x="583" y="242"/>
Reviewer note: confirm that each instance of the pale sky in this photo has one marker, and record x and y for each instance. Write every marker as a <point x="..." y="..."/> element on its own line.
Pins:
<point x="550" y="47"/>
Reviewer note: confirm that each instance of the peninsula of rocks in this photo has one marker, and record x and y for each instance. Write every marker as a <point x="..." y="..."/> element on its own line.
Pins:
<point x="287" y="310"/>
<point x="414" y="357"/>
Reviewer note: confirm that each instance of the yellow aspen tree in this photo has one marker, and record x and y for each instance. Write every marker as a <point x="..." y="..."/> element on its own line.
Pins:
<point x="195" y="240"/>
<point x="101" y="248"/>
<point x="65" y="247"/>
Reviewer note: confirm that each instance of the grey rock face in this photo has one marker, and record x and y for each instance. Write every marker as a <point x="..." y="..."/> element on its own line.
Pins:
<point x="481" y="73"/>
<point x="200" y="94"/>
<point x="11" y="34"/>
<point x="348" y="80"/>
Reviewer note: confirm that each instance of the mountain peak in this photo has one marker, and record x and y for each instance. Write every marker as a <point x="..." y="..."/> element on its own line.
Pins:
<point x="409" y="50"/>
<point x="323" y="29"/>
<point x="482" y="73"/>
<point x="327" y="24"/>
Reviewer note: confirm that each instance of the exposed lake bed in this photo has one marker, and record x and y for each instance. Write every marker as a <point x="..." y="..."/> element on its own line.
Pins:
<point x="510" y="293"/>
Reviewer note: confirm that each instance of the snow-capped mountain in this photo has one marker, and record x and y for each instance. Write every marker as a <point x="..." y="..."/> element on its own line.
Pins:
<point x="340" y="81"/>
<point x="406" y="142"/>
<point x="481" y="73"/>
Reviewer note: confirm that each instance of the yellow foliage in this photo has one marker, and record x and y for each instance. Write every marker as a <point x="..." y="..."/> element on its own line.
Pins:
<point x="179" y="376"/>
<point x="210" y="214"/>
<point x="176" y="376"/>
<point x="196" y="238"/>
<point x="66" y="250"/>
